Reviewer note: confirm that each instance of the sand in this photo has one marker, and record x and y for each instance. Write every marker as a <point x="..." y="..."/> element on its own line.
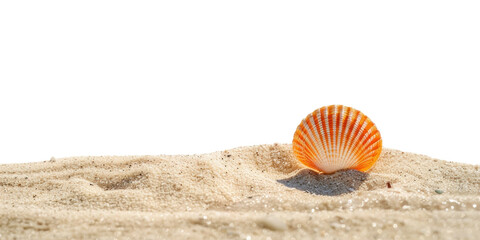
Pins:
<point x="257" y="192"/>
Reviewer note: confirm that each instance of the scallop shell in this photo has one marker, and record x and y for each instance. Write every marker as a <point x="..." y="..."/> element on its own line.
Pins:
<point x="337" y="137"/>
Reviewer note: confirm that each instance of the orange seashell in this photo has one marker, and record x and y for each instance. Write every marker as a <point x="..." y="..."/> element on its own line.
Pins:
<point x="337" y="137"/>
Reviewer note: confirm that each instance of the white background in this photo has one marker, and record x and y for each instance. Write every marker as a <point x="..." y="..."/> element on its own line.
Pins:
<point x="185" y="77"/>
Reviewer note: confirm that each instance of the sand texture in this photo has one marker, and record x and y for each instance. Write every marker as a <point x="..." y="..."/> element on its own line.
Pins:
<point x="257" y="192"/>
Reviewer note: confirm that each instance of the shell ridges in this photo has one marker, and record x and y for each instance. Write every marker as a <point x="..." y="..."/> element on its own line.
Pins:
<point x="337" y="137"/>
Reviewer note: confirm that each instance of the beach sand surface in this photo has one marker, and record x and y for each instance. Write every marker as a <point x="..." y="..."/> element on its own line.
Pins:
<point x="257" y="192"/>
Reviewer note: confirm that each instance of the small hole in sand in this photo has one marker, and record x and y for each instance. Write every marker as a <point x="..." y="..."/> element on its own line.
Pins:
<point x="132" y="181"/>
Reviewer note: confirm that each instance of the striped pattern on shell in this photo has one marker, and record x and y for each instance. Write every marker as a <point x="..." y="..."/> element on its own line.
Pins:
<point x="337" y="137"/>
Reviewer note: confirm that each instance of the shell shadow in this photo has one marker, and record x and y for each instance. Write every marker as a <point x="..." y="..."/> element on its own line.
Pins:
<point x="335" y="184"/>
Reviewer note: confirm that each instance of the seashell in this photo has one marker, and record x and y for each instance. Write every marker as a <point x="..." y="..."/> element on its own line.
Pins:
<point x="337" y="137"/>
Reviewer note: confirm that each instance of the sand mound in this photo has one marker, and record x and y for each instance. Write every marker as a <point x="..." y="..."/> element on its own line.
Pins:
<point x="248" y="192"/>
